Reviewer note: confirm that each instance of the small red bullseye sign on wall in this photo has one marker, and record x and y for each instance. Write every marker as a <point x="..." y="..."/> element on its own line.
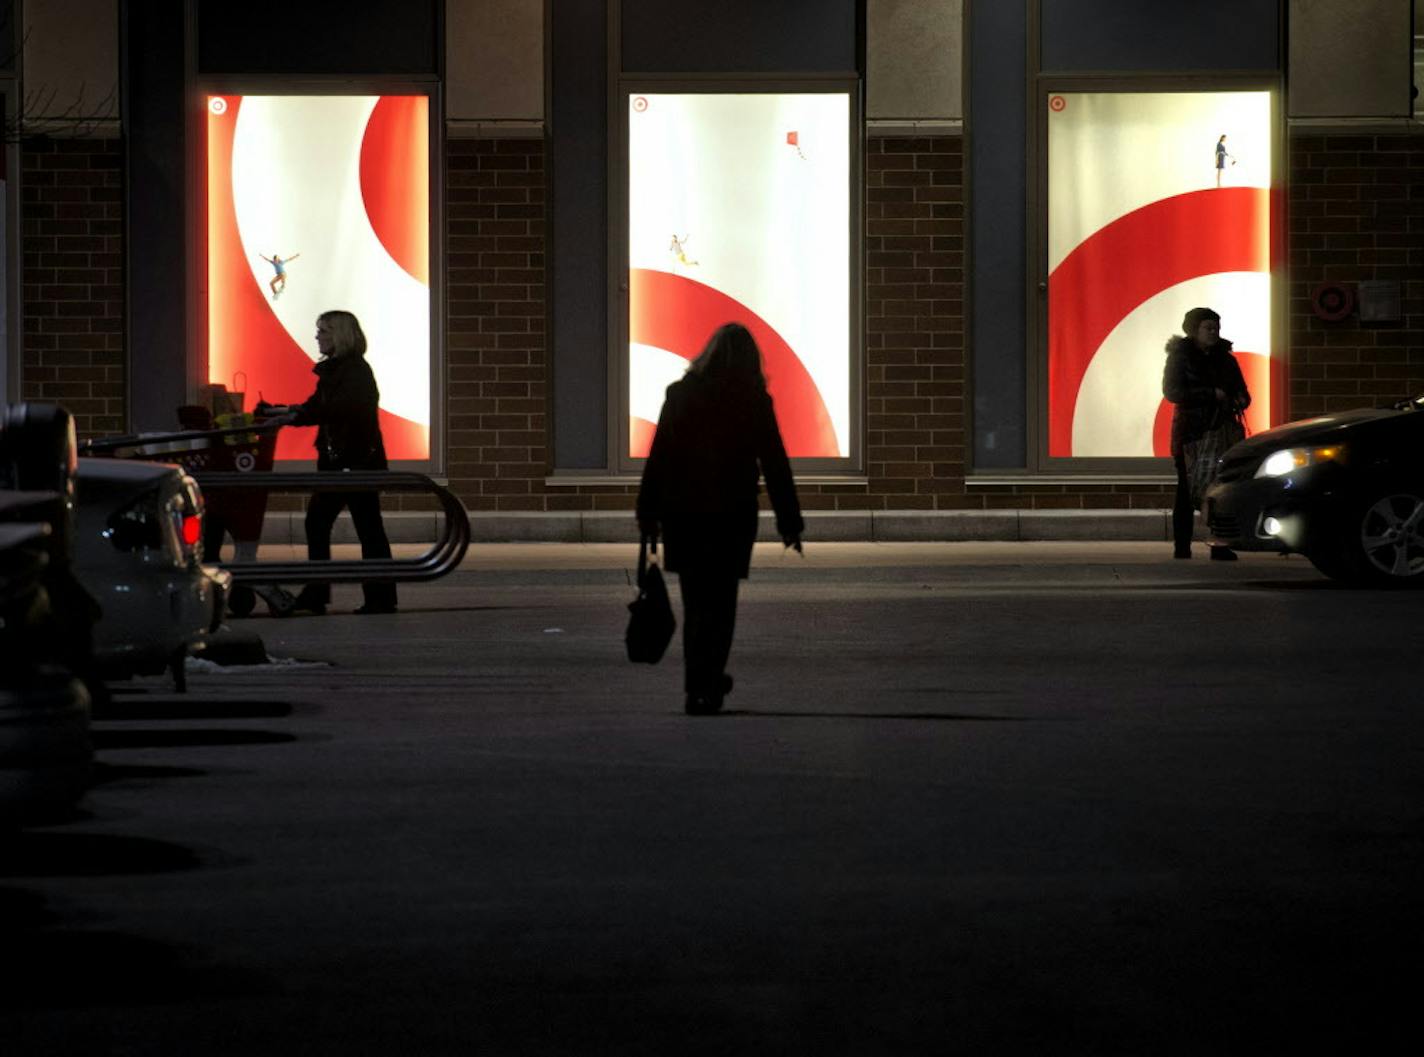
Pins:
<point x="1332" y="302"/>
<point x="1057" y="103"/>
<point x="640" y="103"/>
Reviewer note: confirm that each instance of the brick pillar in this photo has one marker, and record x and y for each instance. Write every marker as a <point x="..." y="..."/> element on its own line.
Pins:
<point x="1356" y="214"/>
<point x="496" y="396"/>
<point x="72" y="298"/>
<point x="914" y="327"/>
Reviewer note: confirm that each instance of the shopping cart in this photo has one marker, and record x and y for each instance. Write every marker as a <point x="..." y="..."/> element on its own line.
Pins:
<point x="241" y="443"/>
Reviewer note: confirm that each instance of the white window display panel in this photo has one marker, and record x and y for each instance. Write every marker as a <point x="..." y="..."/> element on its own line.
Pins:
<point x="1158" y="202"/>
<point x="336" y="188"/>
<point x="739" y="210"/>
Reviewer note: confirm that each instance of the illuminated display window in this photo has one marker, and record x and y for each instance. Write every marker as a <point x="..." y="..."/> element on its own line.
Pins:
<point x="1158" y="202"/>
<point x="739" y="209"/>
<point x="320" y="202"/>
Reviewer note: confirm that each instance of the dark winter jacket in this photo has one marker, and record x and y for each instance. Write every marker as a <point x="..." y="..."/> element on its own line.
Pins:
<point x="700" y="481"/>
<point x="343" y="409"/>
<point x="1190" y="380"/>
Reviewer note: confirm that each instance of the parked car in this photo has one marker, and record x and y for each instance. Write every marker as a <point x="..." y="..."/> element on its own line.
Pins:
<point x="45" y="621"/>
<point x="45" y="753"/>
<point x="1346" y="490"/>
<point x="138" y="550"/>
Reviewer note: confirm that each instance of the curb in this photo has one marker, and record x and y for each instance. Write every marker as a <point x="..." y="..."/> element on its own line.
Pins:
<point x="836" y="526"/>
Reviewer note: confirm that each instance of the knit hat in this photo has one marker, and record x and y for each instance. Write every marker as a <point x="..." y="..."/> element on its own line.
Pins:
<point x="1193" y="319"/>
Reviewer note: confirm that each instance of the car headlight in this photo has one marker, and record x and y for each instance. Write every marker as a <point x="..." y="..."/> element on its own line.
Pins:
<point x="1288" y="460"/>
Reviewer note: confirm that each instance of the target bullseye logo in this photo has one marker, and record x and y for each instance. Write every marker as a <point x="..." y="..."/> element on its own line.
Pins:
<point x="217" y="104"/>
<point x="1057" y="103"/>
<point x="640" y="103"/>
<point x="1332" y="302"/>
<point x="245" y="462"/>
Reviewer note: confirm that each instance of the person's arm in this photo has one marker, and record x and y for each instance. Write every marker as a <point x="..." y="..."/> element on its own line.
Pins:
<point x="307" y="413"/>
<point x="655" y="472"/>
<point x="265" y="257"/>
<point x="780" y="485"/>
<point x="294" y="256"/>
<point x="1241" y="395"/>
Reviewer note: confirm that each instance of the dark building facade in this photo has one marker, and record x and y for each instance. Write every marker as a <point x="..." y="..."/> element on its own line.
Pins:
<point x="939" y="332"/>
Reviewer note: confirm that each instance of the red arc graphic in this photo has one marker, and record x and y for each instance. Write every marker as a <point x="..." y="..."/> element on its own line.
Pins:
<point x="394" y="185"/>
<point x="679" y="314"/>
<point x="1133" y="258"/>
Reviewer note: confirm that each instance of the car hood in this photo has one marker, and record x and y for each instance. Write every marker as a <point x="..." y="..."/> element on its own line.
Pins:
<point x="1322" y="430"/>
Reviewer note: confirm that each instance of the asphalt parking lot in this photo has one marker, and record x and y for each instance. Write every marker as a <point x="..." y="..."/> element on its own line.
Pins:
<point x="967" y="798"/>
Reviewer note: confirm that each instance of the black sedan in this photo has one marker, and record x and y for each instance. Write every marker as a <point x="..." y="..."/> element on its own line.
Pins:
<point x="1346" y="490"/>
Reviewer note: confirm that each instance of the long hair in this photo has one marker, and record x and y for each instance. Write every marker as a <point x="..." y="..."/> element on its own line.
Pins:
<point x="730" y="356"/>
<point x="346" y="335"/>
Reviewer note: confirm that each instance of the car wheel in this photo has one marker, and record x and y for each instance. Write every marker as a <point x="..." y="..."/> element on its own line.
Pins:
<point x="1384" y="543"/>
<point x="241" y="601"/>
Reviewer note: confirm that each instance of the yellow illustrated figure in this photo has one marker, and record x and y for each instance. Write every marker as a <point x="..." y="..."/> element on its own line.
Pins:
<point x="678" y="248"/>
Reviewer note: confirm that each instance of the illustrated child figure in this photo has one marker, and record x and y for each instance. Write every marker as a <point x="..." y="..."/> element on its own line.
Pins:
<point x="678" y="248"/>
<point x="279" y="265"/>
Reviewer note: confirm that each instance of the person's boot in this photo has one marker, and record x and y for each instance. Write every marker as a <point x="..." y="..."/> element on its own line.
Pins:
<point x="709" y="704"/>
<point x="311" y="600"/>
<point x="379" y="598"/>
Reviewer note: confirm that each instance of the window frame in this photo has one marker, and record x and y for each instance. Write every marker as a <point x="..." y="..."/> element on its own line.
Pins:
<point x="619" y="461"/>
<point x="1042" y="87"/>
<point x="197" y="223"/>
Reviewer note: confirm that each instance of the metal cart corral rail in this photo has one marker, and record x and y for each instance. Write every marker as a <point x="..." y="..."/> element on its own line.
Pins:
<point x="443" y="557"/>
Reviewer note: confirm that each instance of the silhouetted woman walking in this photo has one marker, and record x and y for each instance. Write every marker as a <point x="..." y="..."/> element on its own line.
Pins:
<point x="717" y="433"/>
<point x="344" y="409"/>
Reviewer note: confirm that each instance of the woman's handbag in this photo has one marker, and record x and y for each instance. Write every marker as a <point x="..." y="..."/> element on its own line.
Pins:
<point x="651" y="623"/>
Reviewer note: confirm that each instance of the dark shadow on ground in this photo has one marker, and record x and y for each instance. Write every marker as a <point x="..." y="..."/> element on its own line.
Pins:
<point x="935" y="717"/>
<point x="176" y="739"/>
<point x="343" y="612"/>
<point x="1241" y="585"/>
<point x="190" y="708"/>
<point x="104" y="773"/>
<point x="50" y="854"/>
<point x="62" y="969"/>
<point x="50" y="967"/>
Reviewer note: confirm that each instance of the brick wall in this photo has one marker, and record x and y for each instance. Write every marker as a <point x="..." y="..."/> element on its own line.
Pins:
<point x="73" y="295"/>
<point x="497" y="367"/>
<point x="1356" y="214"/>
<point x="914" y="328"/>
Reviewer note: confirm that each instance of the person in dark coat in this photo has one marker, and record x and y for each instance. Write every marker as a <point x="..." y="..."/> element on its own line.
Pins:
<point x="716" y="435"/>
<point x="1204" y="383"/>
<point x="348" y="437"/>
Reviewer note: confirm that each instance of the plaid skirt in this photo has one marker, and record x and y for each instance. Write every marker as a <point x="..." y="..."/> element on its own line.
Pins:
<point x="1201" y="455"/>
